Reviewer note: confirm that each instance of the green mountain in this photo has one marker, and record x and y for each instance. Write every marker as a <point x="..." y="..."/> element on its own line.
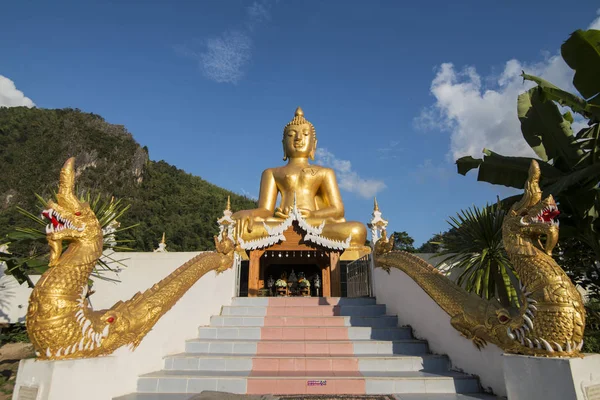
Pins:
<point x="34" y="143"/>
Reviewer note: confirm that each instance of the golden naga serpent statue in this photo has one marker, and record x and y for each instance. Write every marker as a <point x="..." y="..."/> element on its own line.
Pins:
<point x="60" y="322"/>
<point x="551" y="318"/>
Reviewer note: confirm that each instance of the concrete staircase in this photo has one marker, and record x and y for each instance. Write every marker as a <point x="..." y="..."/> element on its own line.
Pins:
<point x="306" y="346"/>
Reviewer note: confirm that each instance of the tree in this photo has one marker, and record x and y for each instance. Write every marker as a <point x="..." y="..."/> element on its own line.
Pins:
<point x="475" y="247"/>
<point x="434" y="245"/>
<point x="570" y="164"/>
<point x="579" y="262"/>
<point x="403" y="241"/>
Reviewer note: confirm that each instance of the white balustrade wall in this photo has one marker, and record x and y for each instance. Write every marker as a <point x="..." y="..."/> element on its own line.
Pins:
<point x="107" y="377"/>
<point x="414" y="307"/>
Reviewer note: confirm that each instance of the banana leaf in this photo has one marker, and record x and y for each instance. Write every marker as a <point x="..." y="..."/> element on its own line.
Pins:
<point x="546" y="130"/>
<point x="507" y="171"/>
<point x="581" y="52"/>
<point x="562" y="97"/>
<point x="583" y="178"/>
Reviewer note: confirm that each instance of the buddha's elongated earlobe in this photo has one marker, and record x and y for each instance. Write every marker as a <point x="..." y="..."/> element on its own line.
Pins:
<point x="285" y="157"/>
<point x="311" y="155"/>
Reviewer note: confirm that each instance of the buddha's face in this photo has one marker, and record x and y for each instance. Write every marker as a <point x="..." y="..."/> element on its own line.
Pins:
<point x="298" y="141"/>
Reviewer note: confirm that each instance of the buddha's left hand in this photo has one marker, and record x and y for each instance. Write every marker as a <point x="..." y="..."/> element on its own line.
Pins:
<point x="305" y="212"/>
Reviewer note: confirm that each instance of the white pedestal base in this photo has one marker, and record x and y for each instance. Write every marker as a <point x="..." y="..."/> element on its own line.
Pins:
<point x="533" y="378"/>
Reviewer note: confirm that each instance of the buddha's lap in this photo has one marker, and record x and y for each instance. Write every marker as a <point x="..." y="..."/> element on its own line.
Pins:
<point x="331" y="230"/>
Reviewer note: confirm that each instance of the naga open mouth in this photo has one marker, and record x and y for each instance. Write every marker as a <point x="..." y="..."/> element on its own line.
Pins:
<point x="57" y="222"/>
<point x="548" y="215"/>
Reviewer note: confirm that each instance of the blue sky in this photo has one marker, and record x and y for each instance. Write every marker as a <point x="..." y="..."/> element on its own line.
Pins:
<point x="396" y="90"/>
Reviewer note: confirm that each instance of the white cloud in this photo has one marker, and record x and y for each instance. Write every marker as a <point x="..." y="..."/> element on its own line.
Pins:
<point x="257" y="13"/>
<point x="249" y="195"/>
<point x="428" y="172"/>
<point x="225" y="57"/>
<point x="481" y="112"/>
<point x="10" y="96"/>
<point x="348" y="179"/>
<point x="596" y="23"/>
<point x="222" y="58"/>
<point x="391" y="151"/>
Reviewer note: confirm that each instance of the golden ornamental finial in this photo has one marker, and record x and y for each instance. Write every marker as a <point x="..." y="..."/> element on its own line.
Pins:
<point x="228" y="204"/>
<point x="375" y="205"/>
<point x="299" y="112"/>
<point x="163" y="239"/>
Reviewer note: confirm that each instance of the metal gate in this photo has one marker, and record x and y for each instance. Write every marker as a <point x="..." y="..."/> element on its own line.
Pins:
<point x="358" y="277"/>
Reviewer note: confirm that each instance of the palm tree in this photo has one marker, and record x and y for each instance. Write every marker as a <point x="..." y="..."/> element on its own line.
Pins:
<point x="475" y="247"/>
<point x="31" y="255"/>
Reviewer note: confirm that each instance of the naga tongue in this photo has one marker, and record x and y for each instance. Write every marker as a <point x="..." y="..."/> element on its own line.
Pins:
<point x="550" y="215"/>
<point x="54" y="222"/>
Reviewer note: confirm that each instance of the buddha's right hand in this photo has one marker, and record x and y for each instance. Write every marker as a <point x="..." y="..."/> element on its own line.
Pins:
<point x="283" y="214"/>
<point x="244" y="222"/>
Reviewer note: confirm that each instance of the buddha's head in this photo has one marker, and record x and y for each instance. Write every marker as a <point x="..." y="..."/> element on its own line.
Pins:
<point x="299" y="138"/>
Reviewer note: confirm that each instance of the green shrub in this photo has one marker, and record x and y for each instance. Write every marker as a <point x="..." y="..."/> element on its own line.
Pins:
<point x="591" y="342"/>
<point x="14" y="333"/>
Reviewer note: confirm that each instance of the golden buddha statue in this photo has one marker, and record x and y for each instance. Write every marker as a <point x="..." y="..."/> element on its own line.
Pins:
<point x="314" y="189"/>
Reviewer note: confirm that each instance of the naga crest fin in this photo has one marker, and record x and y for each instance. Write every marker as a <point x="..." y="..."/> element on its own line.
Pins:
<point x="533" y="193"/>
<point x="66" y="187"/>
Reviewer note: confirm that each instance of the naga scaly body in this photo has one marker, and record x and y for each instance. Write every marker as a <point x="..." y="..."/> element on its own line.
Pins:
<point x="60" y="322"/>
<point x="550" y="320"/>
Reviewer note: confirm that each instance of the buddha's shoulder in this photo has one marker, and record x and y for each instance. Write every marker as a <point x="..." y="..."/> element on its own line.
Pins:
<point x="270" y="171"/>
<point x="313" y="169"/>
<point x="321" y="170"/>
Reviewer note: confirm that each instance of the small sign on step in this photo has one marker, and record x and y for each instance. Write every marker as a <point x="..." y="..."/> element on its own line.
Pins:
<point x="593" y="392"/>
<point x="27" y="393"/>
<point x="316" y="383"/>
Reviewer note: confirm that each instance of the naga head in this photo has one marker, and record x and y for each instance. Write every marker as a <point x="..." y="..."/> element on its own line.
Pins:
<point x="384" y="244"/>
<point x="533" y="217"/>
<point x="69" y="219"/>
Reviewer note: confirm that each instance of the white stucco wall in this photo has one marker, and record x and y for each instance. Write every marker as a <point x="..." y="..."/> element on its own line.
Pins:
<point x="414" y="307"/>
<point x="107" y="377"/>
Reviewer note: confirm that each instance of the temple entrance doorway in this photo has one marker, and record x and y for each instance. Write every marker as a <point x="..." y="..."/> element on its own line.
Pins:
<point x="311" y="272"/>
<point x="290" y="252"/>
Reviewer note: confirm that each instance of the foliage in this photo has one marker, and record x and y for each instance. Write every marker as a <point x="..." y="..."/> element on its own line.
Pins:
<point x="29" y="249"/>
<point x="183" y="206"/>
<point x="13" y="333"/>
<point x="434" y="245"/>
<point x="591" y="342"/>
<point x="281" y="283"/>
<point x="403" y="241"/>
<point x="579" y="262"/>
<point x="475" y="247"/>
<point x="570" y="163"/>
<point x="34" y="143"/>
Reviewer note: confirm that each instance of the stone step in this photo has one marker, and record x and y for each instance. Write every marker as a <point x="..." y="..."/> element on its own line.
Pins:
<point x="226" y="396"/>
<point x="276" y="362"/>
<point x="370" y="310"/>
<point x="303" y="301"/>
<point x="305" y="333"/>
<point x="157" y="396"/>
<point x="382" y="321"/>
<point x="308" y="382"/>
<point x="304" y="347"/>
